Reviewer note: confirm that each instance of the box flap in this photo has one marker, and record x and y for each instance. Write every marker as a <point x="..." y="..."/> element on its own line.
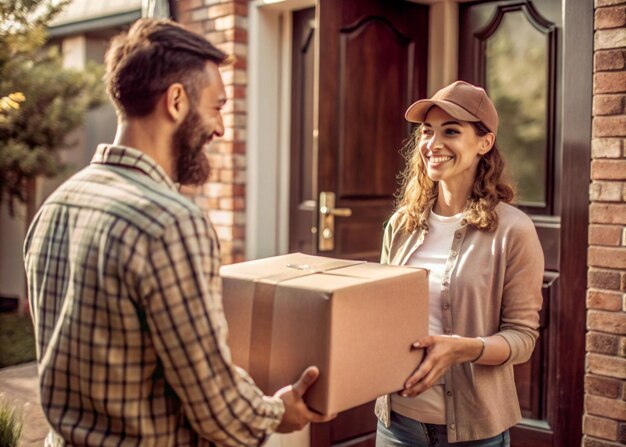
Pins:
<point x="291" y="265"/>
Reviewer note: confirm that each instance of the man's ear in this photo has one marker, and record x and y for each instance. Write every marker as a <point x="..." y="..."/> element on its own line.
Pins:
<point x="176" y="102"/>
<point x="487" y="142"/>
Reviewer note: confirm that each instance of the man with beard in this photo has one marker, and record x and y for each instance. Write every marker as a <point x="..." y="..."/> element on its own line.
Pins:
<point x="123" y="271"/>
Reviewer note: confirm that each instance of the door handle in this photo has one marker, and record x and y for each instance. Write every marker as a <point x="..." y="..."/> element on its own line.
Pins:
<point x="341" y="212"/>
<point x="327" y="212"/>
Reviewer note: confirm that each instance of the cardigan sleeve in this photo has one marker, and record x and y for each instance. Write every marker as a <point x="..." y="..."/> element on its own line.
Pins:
<point x="387" y="231"/>
<point x="521" y="295"/>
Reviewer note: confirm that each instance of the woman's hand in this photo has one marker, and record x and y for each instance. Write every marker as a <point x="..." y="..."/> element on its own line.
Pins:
<point x="442" y="351"/>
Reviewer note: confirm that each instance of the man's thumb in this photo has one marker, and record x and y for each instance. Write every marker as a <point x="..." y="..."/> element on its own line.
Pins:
<point x="308" y="378"/>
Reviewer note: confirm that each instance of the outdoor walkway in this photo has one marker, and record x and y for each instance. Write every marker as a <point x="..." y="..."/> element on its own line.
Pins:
<point x="18" y="386"/>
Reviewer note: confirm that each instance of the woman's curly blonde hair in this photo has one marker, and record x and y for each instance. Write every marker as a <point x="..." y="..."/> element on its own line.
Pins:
<point x="418" y="192"/>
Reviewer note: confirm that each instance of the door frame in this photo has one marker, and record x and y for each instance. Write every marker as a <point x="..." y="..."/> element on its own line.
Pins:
<point x="268" y="127"/>
<point x="577" y="41"/>
<point x="567" y="320"/>
<point x="268" y="163"/>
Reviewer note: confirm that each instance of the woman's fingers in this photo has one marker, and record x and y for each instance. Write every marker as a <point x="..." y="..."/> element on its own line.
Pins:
<point x="418" y="384"/>
<point x="426" y="363"/>
<point x="417" y="375"/>
<point x="435" y="363"/>
<point x="424" y="342"/>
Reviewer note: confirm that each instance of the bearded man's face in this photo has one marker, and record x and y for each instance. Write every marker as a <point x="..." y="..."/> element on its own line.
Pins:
<point x="191" y="165"/>
<point x="202" y="123"/>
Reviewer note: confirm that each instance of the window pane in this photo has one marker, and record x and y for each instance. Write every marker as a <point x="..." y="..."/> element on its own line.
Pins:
<point x="516" y="77"/>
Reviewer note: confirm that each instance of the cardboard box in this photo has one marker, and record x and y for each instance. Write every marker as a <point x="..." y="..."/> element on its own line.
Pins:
<point x="355" y="320"/>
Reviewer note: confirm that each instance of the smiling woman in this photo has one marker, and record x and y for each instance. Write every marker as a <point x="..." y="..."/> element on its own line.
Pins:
<point x="449" y="130"/>
<point x="485" y="265"/>
<point x="451" y="150"/>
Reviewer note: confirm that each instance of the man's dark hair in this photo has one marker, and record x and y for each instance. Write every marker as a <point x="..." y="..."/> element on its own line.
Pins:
<point x="142" y="63"/>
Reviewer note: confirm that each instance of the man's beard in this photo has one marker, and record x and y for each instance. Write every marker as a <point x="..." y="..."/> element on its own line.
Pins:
<point x="191" y="165"/>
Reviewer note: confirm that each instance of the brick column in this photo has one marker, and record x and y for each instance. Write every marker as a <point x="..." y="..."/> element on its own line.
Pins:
<point x="604" y="422"/>
<point x="224" y="23"/>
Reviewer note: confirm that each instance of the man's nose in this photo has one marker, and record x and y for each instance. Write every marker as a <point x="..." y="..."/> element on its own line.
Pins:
<point x="219" y="128"/>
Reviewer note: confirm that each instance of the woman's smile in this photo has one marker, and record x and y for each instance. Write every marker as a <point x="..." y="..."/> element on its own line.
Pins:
<point x="436" y="160"/>
<point x="450" y="148"/>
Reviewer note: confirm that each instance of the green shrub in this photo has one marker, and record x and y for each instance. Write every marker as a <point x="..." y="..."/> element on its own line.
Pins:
<point x="17" y="339"/>
<point x="41" y="101"/>
<point x="10" y="426"/>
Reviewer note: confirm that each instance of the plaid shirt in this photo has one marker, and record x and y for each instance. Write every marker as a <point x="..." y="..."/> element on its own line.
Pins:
<point x="125" y="294"/>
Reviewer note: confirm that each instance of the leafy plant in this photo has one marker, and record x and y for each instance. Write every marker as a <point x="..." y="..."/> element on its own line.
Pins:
<point x="41" y="102"/>
<point x="10" y="426"/>
<point x="17" y="339"/>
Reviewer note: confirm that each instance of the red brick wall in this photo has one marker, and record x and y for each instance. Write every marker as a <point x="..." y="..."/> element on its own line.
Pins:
<point x="604" y="422"/>
<point x="224" y="23"/>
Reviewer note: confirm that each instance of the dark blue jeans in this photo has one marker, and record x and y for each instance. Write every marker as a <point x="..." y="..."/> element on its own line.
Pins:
<point x="406" y="432"/>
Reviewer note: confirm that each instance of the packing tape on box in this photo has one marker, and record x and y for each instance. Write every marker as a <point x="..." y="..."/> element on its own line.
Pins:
<point x="263" y="310"/>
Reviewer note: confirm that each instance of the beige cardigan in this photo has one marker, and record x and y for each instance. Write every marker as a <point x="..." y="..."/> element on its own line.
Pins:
<point x="492" y="285"/>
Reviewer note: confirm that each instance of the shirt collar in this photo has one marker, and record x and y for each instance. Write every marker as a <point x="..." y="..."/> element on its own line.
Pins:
<point x="129" y="157"/>
<point x="426" y="214"/>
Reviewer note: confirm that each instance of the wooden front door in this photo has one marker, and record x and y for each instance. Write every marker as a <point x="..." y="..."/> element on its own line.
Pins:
<point x="348" y="125"/>
<point x="348" y="118"/>
<point x="515" y="50"/>
<point x="369" y="64"/>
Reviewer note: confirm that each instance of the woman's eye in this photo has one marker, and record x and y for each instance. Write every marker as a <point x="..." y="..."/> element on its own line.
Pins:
<point x="452" y="132"/>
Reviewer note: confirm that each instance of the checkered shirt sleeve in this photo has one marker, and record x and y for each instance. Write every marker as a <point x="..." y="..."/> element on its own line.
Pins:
<point x="125" y="294"/>
<point x="181" y="298"/>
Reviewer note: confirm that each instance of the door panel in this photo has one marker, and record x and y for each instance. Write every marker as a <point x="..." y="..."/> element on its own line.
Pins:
<point x="374" y="57"/>
<point x="514" y="50"/>
<point x="302" y="198"/>
<point x="338" y="149"/>
<point x="347" y="426"/>
<point x="356" y="238"/>
<point x="372" y="64"/>
<point x="531" y="377"/>
<point x="520" y="76"/>
<point x="355" y="427"/>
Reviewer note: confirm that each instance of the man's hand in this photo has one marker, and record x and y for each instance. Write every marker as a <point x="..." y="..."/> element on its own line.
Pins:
<point x="297" y="414"/>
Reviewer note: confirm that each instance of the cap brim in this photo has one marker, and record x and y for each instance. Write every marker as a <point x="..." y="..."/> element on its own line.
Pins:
<point x="416" y="113"/>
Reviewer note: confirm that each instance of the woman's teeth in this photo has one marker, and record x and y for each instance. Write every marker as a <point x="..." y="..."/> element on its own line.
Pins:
<point x="440" y="158"/>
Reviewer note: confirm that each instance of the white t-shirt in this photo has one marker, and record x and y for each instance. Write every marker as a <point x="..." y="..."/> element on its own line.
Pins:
<point x="429" y="407"/>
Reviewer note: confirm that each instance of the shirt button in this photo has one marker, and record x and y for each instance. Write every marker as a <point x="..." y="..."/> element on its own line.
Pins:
<point x="457" y="235"/>
<point x="446" y="306"/>
<point x="449" y="393"/>
<point x="447" y="331"/>
<point x="452" y="427"/>
<point x="446" y="283"/>
<point x="453" y="253"/>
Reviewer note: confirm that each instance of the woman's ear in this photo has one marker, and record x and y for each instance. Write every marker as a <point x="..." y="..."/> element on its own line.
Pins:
<point x="487" y="142"/>
<point x="176" y="102"/>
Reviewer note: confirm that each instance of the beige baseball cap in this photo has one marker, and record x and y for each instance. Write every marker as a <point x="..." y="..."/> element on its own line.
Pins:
<point x="461" y="100"/>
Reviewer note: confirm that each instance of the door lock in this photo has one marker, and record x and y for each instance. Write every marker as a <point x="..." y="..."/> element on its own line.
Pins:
<point x="327" y="212"/>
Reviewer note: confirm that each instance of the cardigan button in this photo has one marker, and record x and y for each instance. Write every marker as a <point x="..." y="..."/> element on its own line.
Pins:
<point x="453" y="253"/>
<point x="449" y="393"/>
<point x="457" y="235"/>
<point x="446" y="306"/>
